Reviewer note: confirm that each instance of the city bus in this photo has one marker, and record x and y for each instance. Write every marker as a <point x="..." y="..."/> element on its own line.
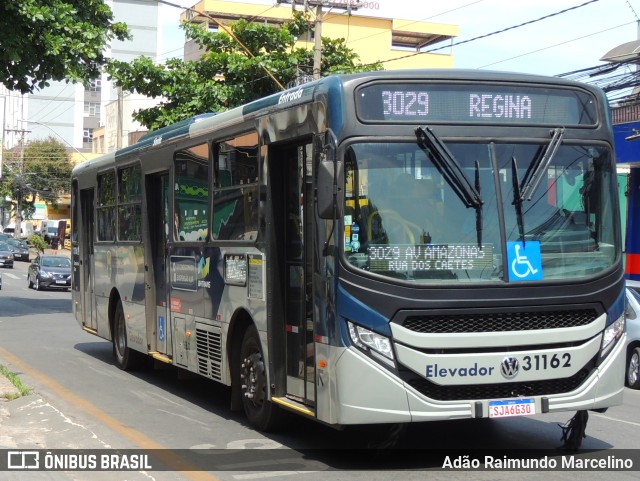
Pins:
<point x="376" y="248"/>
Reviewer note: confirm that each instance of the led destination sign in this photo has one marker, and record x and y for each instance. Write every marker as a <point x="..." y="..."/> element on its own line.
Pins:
<point x="429" y="257"/>
<point x="413" y="102"/>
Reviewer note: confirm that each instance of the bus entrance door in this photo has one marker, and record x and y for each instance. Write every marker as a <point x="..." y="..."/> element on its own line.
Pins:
<point x="158" y="317"/>
<point x="86" y="262"/>
<point x="298" y="272"/>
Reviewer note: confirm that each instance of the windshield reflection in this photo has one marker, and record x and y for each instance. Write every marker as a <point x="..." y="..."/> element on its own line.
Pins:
<point x="404" y="220"/>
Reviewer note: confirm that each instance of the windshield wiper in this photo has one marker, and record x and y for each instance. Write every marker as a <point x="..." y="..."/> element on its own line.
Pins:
<point x="538" y="167"/>
<point x="533" y="176"/>
<point x="517" y="197"/>
<point x="453" y="173"/>
<point x="478" y="207"/>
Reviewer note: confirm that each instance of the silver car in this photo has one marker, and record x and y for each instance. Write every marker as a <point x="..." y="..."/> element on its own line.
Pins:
<point x="20" y="249"/>
<point x="6" y="255"/>
<point x="633" y="335"/>
<point x="49" y="272"/>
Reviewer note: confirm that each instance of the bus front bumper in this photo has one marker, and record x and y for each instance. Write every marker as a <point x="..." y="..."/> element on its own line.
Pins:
<point x="363" y="392"/>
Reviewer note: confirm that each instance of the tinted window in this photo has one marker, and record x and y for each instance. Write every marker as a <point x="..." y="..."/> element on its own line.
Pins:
<point x="191" y="194"/>
<point x="236" y="194"/>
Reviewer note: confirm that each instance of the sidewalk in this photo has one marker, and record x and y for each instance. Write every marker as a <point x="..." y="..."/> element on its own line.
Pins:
<point x="7" y="389"/>
<point x="41" y="422"/>
<point x="59" y="252"/>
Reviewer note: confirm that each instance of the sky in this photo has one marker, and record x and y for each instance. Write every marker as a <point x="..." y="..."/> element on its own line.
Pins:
<point x="562" y="43"/>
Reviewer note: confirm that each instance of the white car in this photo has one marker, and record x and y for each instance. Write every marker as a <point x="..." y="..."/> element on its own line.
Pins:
<point x="632" y="376"/>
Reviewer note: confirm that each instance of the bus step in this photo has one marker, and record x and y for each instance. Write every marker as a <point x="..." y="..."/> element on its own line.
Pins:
<point x="160" y="357"/>
<point x="293" y="405"/>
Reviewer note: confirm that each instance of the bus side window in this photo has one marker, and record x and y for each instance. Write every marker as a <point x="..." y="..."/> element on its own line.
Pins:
<point x="106" y="208"/>
<point x="191" y="194"/>
<point x="236" y="199"/>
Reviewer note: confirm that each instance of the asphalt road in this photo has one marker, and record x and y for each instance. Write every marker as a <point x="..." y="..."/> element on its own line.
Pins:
<point x="81" y="401"/>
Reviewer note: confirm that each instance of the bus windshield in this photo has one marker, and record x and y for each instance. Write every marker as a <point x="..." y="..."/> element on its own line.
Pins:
<point x="405" y="218"/>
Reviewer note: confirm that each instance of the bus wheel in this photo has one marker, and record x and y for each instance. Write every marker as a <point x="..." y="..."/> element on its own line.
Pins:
<point x="633" y="369"/>
<point x="125" y="357"/>
<point x="262" y="414"/>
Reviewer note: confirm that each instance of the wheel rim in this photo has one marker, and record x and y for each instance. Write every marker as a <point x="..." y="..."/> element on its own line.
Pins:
<point x="253" y="379"/>
<point x="634" y="367"/>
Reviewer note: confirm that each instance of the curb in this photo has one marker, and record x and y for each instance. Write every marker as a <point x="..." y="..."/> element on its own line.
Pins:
<point x="7" y="390"/>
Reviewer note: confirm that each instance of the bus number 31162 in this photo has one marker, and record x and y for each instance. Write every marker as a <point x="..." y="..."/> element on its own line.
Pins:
<point x="541" y="362"/>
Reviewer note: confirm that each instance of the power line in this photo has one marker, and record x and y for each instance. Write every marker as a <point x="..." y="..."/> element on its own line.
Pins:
<point x="633" y="10"/>
<point x="229" y="32"/>
<point x="496" y="32"/>
<point x="556" y="44"/>
<point x="421" y="20"/>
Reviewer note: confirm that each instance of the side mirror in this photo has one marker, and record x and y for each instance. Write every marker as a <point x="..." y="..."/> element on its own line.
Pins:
<point x="324" y="188"/>
<point x="326" y="181"/>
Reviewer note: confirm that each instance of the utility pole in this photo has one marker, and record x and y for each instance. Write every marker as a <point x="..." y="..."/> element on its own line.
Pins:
<point x="349" y="6"/>
<point x="119" y="120"/>
<point x="317" y="50"/>
<point x="21" y="184"/>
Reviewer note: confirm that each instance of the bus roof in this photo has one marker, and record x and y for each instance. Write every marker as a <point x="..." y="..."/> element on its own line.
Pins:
<point x="306" y="92"/>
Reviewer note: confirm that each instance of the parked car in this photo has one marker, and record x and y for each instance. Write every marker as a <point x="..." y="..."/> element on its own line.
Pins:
<point x="632" y="375"/>
<point x="0" y="281"/>
<point x="26" y="229"/>
<point x="20" y="249"/>
<point x="6" y="255"/>
<point x="49" y="272"/>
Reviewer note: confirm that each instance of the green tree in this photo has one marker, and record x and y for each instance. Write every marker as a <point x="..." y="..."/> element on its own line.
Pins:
<point x="255" y="61"/>
<point x="46" y="40"/>
<point x="42" y="170"/>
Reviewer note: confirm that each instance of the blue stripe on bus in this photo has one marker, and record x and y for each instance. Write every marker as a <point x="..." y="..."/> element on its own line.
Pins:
<point x="358" y="312"/>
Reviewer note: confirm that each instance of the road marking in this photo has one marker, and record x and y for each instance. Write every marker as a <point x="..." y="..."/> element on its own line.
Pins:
<point x="271" y="474"/>
<point x="13" y="276"/>
<point x="136" y="437"/>
<point x="616" y="419"/>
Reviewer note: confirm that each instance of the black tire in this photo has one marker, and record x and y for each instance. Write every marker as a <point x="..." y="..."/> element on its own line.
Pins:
<point x="633" y="368"/>
<point x="29" y="283"/>
<point x="126" y="358"/>
<point x="261" y="413"/>
<point x="37" y="285"/>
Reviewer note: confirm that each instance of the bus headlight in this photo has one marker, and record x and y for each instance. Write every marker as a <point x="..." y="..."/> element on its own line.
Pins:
<point x="375" y="344"/>
<point x="611" y="336"/>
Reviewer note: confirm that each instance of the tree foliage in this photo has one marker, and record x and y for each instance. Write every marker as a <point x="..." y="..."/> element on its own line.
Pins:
<point x="45" y="40"/>
<point x="234" y="69"/>
<point x="42" y="170"/>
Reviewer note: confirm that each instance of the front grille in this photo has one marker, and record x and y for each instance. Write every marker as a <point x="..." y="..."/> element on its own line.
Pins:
<point x="496" y="391"/>
<point x="499" y="321"/>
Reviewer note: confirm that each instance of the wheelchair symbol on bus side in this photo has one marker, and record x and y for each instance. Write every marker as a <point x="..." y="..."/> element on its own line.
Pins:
<point x="161" y="329"/>
<point x="525" y="261"/>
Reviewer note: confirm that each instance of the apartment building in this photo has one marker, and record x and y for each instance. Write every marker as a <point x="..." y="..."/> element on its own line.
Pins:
<point x="398" y="43"/>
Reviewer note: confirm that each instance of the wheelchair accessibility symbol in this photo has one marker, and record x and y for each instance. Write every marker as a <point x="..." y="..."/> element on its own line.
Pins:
<point x="525" y="262"/>
<point x="161" y="329"/>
